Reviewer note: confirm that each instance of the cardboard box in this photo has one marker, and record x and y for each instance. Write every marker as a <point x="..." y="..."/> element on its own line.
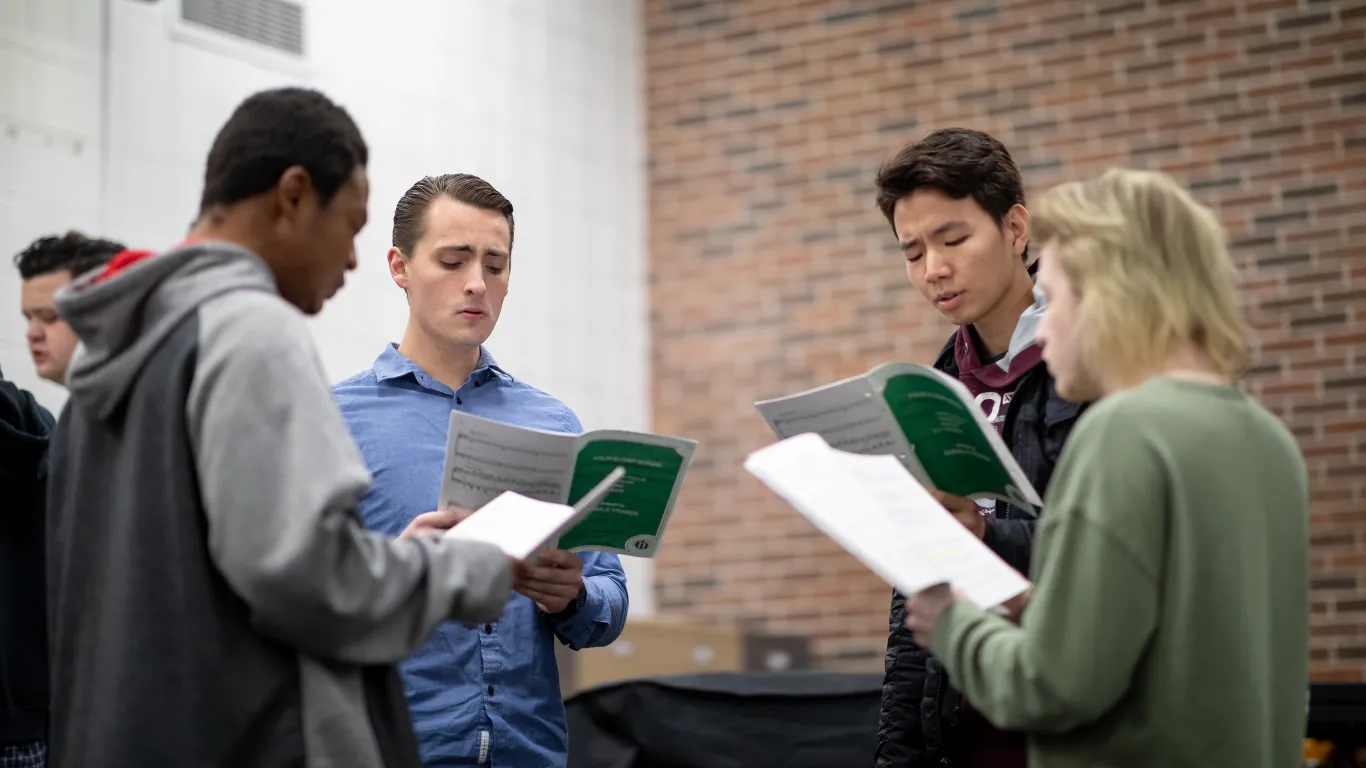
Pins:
<point x="651" y="647"/>
<point x="654" y="647"/>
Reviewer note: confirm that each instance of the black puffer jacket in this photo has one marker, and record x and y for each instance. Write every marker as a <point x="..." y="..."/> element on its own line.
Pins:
<point x="918" y="724"/>
<point x="24" y="430"/>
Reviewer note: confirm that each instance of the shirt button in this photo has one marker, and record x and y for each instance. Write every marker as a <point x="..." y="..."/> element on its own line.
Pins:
<point x="488" y="629"/>
<point x="490" y="690"/>
<point x="458" y="401"/>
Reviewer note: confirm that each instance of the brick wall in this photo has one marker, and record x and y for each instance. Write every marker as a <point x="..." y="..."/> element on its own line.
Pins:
<point x="772" y="271"/>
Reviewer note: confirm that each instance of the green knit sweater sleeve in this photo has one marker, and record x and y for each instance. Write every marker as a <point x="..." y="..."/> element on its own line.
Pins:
<point x="1095" y="599"/>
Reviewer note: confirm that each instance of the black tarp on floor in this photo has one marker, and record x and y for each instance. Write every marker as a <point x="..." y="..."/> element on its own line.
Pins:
<point x="730" y="720"/>
<point x="799" y="720"/>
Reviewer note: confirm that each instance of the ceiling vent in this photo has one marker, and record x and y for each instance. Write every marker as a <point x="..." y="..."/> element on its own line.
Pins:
<point x="274" y="24"/>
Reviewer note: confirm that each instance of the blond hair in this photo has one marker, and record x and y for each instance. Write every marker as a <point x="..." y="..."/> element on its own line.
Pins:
<point x="1151" y="268"/>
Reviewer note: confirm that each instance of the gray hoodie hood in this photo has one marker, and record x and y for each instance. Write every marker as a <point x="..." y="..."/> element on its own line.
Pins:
<point x="1026" y="329"/>
<point x="122" y="319"/>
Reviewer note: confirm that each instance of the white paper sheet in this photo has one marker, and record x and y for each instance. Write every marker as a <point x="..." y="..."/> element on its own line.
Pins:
<point x="514" y="523"/>
<point x="870" y="506"/>
<point x="521" y="526"/>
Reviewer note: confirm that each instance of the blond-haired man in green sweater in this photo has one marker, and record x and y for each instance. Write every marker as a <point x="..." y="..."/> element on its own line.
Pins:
<point x="1169" y="621"/>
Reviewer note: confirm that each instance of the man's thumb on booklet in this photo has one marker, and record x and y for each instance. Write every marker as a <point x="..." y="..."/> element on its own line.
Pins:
<point x="435" y="522"/>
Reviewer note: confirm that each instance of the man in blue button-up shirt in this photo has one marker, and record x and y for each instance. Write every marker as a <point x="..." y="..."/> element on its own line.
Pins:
<point x="487" y="694"/>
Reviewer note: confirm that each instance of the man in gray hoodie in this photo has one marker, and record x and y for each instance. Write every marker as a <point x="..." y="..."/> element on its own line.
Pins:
<point x="215" y="599"/>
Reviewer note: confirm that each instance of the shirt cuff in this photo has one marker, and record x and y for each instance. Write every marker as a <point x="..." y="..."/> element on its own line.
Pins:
<point x="573" y="609"/>
<point x="574" y="628"/>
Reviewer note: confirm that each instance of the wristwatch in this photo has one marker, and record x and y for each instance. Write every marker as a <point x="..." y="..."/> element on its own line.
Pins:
<point x="571" y="610"/>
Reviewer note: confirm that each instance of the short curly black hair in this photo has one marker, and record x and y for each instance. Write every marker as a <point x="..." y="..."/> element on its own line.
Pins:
<point x="273" y="131"/>
<point x="960" y="162"/>
<point x="72" y="251"/>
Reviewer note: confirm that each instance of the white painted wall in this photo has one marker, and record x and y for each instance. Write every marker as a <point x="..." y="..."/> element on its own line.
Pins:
<point x="49" y="148"/>
<point x="543" y="98"/>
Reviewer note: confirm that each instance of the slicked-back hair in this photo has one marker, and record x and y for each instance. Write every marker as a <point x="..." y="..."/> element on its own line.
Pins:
<point x="466" y="188"/>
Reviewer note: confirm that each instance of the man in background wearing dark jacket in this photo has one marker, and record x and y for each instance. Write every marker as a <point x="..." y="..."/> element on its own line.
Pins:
<point x="955" y="201"/>
<point x="44" y="266"/>
<point x="24" y="430"/>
